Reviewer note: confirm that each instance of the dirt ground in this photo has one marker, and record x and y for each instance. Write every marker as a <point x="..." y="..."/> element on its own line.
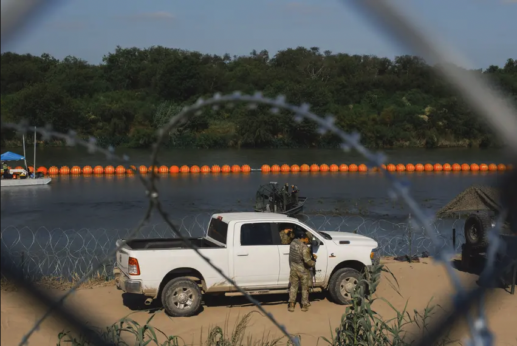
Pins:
<point x="102" y="306"/>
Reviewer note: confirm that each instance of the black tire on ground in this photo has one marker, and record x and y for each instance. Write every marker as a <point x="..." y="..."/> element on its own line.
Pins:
<point x="342" y="285"/>
<point x="181" y="297"/>
<point x="476" y="230"/>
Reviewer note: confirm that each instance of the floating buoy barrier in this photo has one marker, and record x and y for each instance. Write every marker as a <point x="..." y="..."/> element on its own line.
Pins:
<point x="284" y="168"/>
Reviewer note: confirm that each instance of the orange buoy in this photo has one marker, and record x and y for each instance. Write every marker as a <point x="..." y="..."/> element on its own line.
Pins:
<point x="295" y="168"/>
<point x="87" y="170"/>
<point x="226" y="169"/>
<point x="334" y="168"/>
<point x="324" y="168"/>
<point x="362" y="168"/>
<point x="20" y="167"/>
<point x="154" y="169"/>
<point x="492" y="167"/>
<point x="109" y="169"/>
<point x="184" y="169"/>
<point x="205" y="169"/>
<point x="501" y="167"/>
<point x="419" y="167"/>
<point x="437" y="167"/>
<point x="483" y="167"/>
<point x="305" y="168"/>
<point x="53" y="170"/>
<point x="474" y="167"/>
<point x="456" y="167"/>
<point x="120" y="169"/>
<point x="163" y="169"/>
<point x="42" y="170"/>
<point x="265" y="169"/>
<point x="174" y="169"/>
<point x="401" y="168"/>
<point x="98" y="170"/>
<point x="236" y="169"/>
<point x="195" y="169"/>
<point x="64" y="170"/>
<point x="31" y="169"/>
<point x="216" y="169"/>
<point x="315" y="168"/>
<point x="275" y="168"/>
<point x="465" y="167"/>
<point x="142" y="169"/>
<point x="75" y="170"/>
<point x="285" y="168"/>
<point x="343" y="168"/>
<point x="447" y="167"/>
<point x="391" y="167"/>
<point x="352" y="168"/>
<point x="245" y="168"/>
<point x="428" y="167"/>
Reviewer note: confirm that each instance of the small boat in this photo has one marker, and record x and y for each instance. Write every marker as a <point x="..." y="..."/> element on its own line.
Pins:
<point x="269" y="200"/>
<point x="25" y="177"/>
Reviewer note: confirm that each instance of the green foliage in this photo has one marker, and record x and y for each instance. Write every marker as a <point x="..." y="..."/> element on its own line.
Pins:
<point x="127" y="332"/>
<point x="361" y="325"/>
<point x="126" y="98"/>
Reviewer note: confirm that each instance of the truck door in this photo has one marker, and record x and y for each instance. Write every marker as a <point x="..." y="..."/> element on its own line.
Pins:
<point x="256" y="261"/>
<point x="285" y="269"/>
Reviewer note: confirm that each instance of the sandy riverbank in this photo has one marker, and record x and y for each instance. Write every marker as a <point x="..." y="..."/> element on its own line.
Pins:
<point x="102" y="306"/>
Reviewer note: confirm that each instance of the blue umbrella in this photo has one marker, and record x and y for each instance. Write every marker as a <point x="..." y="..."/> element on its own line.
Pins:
<point x="9" y="156"/>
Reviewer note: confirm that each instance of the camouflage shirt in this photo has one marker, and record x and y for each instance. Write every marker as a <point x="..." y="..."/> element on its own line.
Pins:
<point x="300" y="256"/>
<point x="286" y="238"/>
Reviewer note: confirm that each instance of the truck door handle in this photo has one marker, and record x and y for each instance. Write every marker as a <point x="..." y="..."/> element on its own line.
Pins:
<point x="286" y="253"/>
<point x="242" y="254"/>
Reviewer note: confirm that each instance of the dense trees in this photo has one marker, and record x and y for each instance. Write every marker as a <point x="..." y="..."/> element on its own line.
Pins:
<point x="126" y="98"/>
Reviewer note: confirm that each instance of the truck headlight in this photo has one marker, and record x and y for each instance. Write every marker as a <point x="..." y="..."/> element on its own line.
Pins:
<point x="373" y="253"/>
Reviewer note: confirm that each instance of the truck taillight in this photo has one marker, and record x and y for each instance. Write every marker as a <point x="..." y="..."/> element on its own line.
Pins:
<point x="132" y="266"/>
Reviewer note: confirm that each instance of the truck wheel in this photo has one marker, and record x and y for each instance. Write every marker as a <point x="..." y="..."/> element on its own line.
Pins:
<point x="181" y="297"/>
<point x="476" y="230"/>
<point x="342" y="285"/>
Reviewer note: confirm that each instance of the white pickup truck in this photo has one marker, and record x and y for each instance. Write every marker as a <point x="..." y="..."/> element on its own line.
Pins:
<point x="247" y="248"/>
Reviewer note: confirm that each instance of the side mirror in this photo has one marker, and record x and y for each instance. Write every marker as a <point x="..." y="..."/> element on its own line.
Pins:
<point x="315" y="243"/>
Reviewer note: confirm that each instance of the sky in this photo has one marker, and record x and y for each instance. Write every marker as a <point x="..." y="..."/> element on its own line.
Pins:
<point x="481" y="30"/>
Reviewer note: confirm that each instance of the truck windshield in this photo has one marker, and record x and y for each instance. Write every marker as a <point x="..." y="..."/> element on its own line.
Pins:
<point x="218" y="230"/>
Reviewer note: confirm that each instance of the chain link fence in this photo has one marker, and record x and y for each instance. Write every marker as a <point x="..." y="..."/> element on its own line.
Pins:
<point x="496" y="111"/>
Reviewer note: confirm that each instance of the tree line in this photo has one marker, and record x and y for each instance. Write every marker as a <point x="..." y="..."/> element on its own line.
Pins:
<point x="126" y="98"/>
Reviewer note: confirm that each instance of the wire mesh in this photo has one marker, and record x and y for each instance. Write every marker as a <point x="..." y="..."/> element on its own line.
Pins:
<point x="496" y="111"/>
<point x="69" y="253"/>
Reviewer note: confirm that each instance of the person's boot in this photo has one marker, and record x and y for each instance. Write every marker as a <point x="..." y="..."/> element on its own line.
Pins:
<point x="305" y="307"/>
<point x="291" y="307"/>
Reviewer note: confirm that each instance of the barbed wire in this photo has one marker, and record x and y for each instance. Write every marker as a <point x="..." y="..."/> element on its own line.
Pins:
<point x="497" y="113"/>
<point x="71" y="253"/>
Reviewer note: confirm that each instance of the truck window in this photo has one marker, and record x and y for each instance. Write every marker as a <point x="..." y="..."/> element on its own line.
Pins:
<point x="218" y="230"/>
<point x="254" y="234"/>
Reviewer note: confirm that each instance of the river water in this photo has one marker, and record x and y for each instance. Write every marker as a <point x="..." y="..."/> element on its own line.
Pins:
<point x="69" y="226"/>
<point x="119" y="202"/>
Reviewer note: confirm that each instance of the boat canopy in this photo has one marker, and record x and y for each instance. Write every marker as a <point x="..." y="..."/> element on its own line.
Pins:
<point x="9" y="156"/>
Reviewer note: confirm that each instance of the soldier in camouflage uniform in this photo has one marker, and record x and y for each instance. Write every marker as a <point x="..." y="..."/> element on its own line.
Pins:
<point x="286" y="236"/>
<point x="300" y="261"/>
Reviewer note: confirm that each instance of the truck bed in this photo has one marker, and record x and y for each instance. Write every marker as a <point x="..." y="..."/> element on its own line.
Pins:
<point x="168" y="243"/>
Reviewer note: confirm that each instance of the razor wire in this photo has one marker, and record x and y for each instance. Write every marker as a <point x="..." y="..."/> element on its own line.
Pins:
<point x="497" y="113"/>
<point x="68" y="254"/>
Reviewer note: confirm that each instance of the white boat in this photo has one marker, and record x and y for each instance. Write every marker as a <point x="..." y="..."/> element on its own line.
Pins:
<point x="34" y="179"/>
<point x="25" y="182"/>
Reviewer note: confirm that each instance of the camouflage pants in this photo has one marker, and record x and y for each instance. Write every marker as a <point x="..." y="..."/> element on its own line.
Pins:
<point x="297" y="278"/>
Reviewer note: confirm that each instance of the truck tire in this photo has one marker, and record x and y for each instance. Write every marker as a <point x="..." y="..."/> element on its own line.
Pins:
<point x="181" y="297"/>
<point x="476" y="230"/>
<point x="342" y="285"/>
